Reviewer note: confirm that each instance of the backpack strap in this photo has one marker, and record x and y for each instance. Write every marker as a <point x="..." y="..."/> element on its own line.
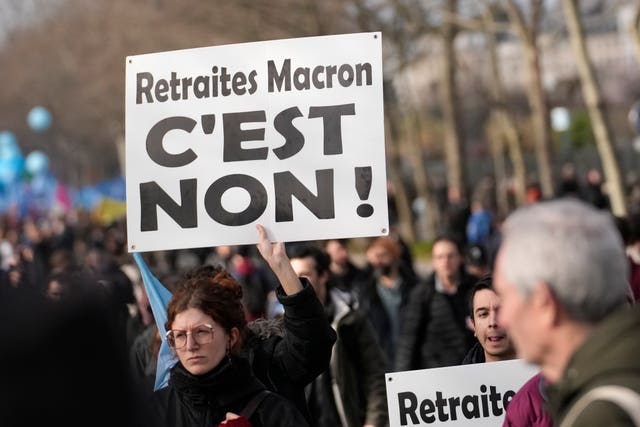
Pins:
<point x="255" y="401"/>
<point x="627" y="399"/>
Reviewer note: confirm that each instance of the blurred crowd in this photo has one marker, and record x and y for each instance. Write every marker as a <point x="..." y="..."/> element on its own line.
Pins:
<point x="70" y="291"/>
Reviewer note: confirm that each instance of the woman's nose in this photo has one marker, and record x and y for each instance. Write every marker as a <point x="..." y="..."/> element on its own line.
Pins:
<point x="191" y="342"/>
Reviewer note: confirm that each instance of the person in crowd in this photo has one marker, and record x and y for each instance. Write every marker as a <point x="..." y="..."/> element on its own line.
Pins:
<point x="69" y="284"/>
<point x="288" y="352"/>
<point x="593" y="193"/>
<point x="145" y="341"/>
<point x="345" y="275"/>
<point x="61" y="363"/>
<point x="352" y="391"/>
<point x="479" y="225"/>
<point x="568" y="185"/>
<point x="257" y="282"/>
<point x="205" y="327"/>
<point x="55" y="289"/>
<point x="117" y="285"/>
<point x="23" y="274"/>
<point x="493" y="344"/>
<point x="631" y="239"/>
<point x="633" y="252"/>
<point x="456" y="215"/>
<point x="533" y="192"/>
<point x="476" y="261"/>
<point x="143" y="359"/>
<point x="34" y="236"/>
<point x="527" y="406"/>
<point x="385" y="295"/>
<point x="435" y="331"/>
<point x="561" y="273"/>
<point x="406" y="257"/>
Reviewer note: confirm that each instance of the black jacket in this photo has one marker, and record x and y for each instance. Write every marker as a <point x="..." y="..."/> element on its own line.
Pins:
<point x="372" y="306"/>
<point x="357" y="367"/>
<point x="474" y="355"/>
<point x="204" y="400"/>
<point x="435" y="332"/>
<point x="288" y="353"/>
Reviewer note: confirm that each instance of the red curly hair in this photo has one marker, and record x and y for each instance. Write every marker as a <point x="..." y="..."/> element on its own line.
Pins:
<point x="216" y="293"/>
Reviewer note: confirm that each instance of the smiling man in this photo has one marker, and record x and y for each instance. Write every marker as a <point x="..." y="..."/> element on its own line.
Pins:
<point x="493" y="342"/>
<point x="527" y="407"/>
<point x="435" y="330"/>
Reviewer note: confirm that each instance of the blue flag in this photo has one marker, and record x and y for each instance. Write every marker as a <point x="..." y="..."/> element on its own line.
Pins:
<point x="159" y="298"/>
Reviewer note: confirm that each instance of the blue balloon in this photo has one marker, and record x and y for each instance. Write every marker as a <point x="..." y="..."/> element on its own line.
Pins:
<point x="11" y="169"/>
<point x="36" y="163"/>
<point x="9" y="145"/>
<point x="39" y="119"/>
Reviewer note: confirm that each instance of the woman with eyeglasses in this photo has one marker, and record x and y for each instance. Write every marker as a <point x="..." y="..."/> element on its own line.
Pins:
<point x="211" y="384"/>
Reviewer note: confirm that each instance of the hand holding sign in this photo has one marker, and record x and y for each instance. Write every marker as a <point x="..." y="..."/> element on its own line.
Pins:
<point x="276" y="256"/>
<point x="271" y="252"/>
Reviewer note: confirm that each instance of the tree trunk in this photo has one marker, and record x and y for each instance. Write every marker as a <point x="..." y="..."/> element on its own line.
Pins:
<point x="496" y="142"/>
<point x="501" y="117"/>
<point x="421" y="180"/>
<point x="453" y="138"/>
<point x="635" y="32"/>
<point x="402" y="202"/>
<point x="514" y="143"/>
<point x="413" y="143"/>
<point x="536" y="96"/>
<point x="595" y="106"/>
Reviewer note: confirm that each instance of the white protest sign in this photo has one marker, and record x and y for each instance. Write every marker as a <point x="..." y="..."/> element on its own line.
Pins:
<point x="466" y="395"/>
<point x="286" y="133"/>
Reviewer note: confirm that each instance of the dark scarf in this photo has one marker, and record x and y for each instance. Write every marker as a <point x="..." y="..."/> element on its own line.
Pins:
<point x="230" y="384"/>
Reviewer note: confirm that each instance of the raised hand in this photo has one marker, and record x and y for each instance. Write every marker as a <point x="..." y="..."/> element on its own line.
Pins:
<point x="276" y="256"/>
<point x="271" y="252"/>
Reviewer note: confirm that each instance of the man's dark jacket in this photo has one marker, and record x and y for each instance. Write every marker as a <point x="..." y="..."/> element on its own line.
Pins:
<point x="474" y="355"/>
<point x="435" y="331"/>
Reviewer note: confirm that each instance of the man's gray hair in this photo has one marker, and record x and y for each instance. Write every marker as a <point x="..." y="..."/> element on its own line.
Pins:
<point x="573" y="248"/>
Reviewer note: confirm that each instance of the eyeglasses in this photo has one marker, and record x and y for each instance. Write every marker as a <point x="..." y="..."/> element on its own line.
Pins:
<point x="201" y="334"/>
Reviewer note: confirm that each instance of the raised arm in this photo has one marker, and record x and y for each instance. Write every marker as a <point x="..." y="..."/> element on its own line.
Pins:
<point x="276" y="256"/>
<point x="288" y="361"/>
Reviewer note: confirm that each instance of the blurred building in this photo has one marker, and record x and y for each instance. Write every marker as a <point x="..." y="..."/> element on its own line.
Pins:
<point x="609" y="42"/>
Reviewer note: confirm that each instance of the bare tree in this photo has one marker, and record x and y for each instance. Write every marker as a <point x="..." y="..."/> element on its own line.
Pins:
<point x="394" y="160"/>
<point x="453" y="140"/>
<point x="528" y="34"/>
<point x="500" y="116"/>
<point x="595" y="105"/>
<point x="635" y="31"/>
<point x="73" y="61"/>
<point x="402" y="30"/>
